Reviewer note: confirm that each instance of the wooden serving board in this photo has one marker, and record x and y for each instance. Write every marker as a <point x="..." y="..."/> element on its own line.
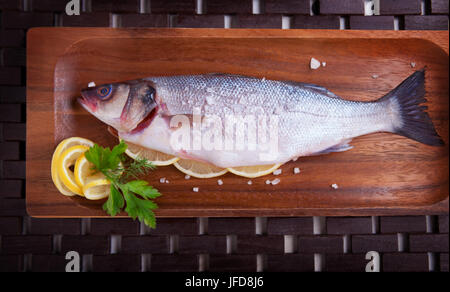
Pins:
<point x="383" y="174"/>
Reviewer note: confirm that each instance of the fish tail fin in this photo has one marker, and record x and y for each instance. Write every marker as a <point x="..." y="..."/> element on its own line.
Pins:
<point x="411" y="120"/>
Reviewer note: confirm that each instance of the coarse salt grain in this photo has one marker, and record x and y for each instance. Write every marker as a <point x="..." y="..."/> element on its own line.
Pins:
<point x="413" y="64"/>
<point x="296" y="170"/>
<point x="276" y="181"/>
<point x="195" y="189"/>
<point x="314" y="64"/>
<point x="162" y="180"/>
<point x="249" y="182"/>
<point x="335" y="186"/>
<point x="374" y="76"/>
<point x="187" y="176"/>
<point x="167" y="181"/>
<point x="324" y="64"/>
<point x="219" y="182"/>
<point x="277" y="172"/>
<point x="91" y="84"/>
<point x="267" y="182"/>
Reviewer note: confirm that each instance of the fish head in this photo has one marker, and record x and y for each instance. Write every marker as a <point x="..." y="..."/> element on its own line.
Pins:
<point x="125" y="106"/>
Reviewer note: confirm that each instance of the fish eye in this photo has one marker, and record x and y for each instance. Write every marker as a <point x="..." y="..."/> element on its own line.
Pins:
<point x="104" y="91"/>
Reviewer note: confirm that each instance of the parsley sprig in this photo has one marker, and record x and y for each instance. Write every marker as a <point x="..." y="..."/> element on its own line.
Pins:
<point x="126" y="187"/>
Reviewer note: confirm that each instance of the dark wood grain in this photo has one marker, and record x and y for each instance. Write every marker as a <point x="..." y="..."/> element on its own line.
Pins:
<point x="383" y="174"/>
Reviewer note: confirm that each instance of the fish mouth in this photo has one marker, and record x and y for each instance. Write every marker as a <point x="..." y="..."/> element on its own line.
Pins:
<point x="145" y="121"/>
<point x="87" y="103"/>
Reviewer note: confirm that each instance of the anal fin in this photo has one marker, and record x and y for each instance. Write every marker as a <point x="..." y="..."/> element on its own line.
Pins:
<point x="341" y="147"/>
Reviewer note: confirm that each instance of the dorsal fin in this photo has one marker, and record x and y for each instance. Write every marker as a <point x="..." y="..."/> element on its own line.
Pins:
<point x="313" y="87"/>
<point x="229" y="75"/>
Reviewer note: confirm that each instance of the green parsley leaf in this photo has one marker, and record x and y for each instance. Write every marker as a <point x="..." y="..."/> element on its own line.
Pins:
<point x="141" y="209"/>
<point x="114" y="203"/>
<point x="115" y="156"/>
<point x="142" y="188"/>
<point x="104" y="158"/>
<point x="95" y="155"/>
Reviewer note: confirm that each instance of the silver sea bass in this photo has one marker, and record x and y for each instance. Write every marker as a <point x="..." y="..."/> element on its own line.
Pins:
<point x="308" y="119"/>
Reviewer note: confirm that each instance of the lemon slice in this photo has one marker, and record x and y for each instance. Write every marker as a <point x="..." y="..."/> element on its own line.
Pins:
<point x="96" y="187"/>
<point x="254" y="171"/>
<point x="199" y="169"/>
<point x="156" y="157"/>
<point x="67" y="160"/>
<point x="83" y="169"/>
<point x="61" y="187"/>
<point x="64" y="145"/>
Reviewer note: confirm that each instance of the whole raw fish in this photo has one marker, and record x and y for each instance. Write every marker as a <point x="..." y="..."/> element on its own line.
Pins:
<point x="267" y="121"/>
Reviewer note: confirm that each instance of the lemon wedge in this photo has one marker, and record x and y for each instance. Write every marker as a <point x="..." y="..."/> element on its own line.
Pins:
<point x="253" y="171"/>
<point x="67" y="161"/>
<point x="156" y="157"/>
<point x="63" y="146"/>
<point x="96" y="187"/>
<point x="199" y="169"/>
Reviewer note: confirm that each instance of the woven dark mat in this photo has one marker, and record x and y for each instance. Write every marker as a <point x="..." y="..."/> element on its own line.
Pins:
<point x="407" y="243"/>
